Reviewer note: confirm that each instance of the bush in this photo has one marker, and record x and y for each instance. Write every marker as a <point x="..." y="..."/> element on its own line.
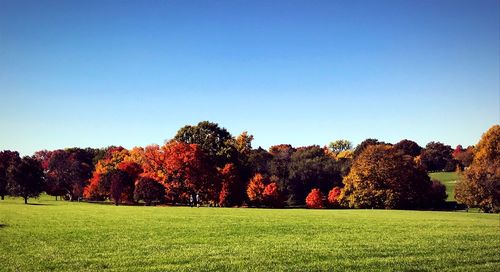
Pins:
<point x="314" y="199"/>
<point x="333" y="197"/>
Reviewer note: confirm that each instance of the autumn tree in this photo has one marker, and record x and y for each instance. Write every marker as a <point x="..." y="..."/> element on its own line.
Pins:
<point x="480" y="184"/>
<point x="121" y="185"/>
<point x="188" y="170"/>
<point x="364" y="144"/>
<point x="314" y="199"/>
<point x="333" y="196"/>
<point x="463" y="156"/>
<point x="216" y="142"/>
<point x="7" y="158"/>
<point x="25" y="178"/>
<point x="271" y="195"/>
<point x="66" y="171"/>
<point x="230" y="186"/>
<point x="383" y="177"/>
<point x="255" y="189"/>
<point x="310" y="167"/>
<point x="437" y="157"/>
<point x="408" y="147"/>
<point x="148" y="190"/>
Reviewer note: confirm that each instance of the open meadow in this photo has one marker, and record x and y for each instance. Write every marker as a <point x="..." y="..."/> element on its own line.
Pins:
<point x="63" y="236"/>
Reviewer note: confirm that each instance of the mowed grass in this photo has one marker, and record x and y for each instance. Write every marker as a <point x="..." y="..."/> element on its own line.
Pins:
<point x="449" y="179"/>
<point x="63" y="236"/>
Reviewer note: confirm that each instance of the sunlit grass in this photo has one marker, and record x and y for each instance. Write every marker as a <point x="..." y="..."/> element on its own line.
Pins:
<point x="449" y="179"/>
<point x="59" y="235"/>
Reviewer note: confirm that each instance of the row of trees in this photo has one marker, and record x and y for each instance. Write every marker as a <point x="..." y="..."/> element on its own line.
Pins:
<point x="206" y="159"/>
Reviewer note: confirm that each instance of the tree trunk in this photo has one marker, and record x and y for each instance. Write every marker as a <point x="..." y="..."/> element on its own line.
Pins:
<point x="2" y="197"/>
<point x="25" y="200"/>
<point x="56" y="198"/>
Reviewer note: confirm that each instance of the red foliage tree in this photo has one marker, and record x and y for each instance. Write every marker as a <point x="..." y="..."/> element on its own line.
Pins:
<point x="333" y="196"/>
<point x="314" y="199"/>
<point x="229" y="180"/>
<point x="148" y="190"/>
<point x="271" y="195"/>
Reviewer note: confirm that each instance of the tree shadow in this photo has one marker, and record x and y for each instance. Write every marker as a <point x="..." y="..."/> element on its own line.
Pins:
<point x="38" y="204"/>
<point x="3" y="226"/>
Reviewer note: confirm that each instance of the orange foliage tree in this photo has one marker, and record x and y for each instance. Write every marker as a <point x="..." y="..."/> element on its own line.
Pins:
<point x="314" y="199"/>
<point x="480" y="184"/>
<point x="229" y="181"/>
<point x="256" y="189"/>
<point x="271" y="195"/>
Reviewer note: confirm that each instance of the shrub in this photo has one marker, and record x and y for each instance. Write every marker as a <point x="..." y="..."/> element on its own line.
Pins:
<point x="333" y="196"/>
<point x="314" y="199"/>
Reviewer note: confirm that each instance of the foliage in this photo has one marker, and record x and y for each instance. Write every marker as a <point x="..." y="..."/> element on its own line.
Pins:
<point x="463" y="156"/>
<point x="66" y="171"/>
<point x="314" y="199"/>
<point x="437" y="157"/>
<point x="311" y="167"/>
<point x="333" y="196"/>
<point x="364" y="144"/>
<point x="255" y="189"/>
<point x="25" y="178"/>
<point x="408" y="147"/>
<point x="7" y="158"/>
<point x="148" y="190"/>
<point x="231" y="185"/>
<point x="480" y="184"/>
<point x="382" y="177"/>
<point x="339" y="146"/>
<point x="271" y="195"/>
<point x="216" y="142"/>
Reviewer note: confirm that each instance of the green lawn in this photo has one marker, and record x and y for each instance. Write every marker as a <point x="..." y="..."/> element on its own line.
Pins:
<point x="57" y="235"/>
<point x="449" y="179"/>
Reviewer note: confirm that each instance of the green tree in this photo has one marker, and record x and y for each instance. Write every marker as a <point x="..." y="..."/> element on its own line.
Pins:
<point x="216" y="142"/>
<point x="340" y="145"/>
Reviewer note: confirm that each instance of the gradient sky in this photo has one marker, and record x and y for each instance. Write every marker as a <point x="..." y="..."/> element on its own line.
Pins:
<point x="131" y="73"/>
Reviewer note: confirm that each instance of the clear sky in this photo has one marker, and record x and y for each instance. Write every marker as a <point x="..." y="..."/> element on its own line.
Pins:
<point x="131" y="73"/>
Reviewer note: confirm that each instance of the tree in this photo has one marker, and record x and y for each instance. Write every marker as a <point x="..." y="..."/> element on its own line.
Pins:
<point x="310" y="167"/>
<point x="364" y="144"/>
<point x="109" y="162"/>
<point x="437" y="157"/>
<point x="121" y="185"/>
<point x="340" y="146"/>
<point x="480" y="184"/>
<point x="463" y="156"/>
<point x="408" y="147"/>
<point x="7" y="158"/>
<point x="25" y="178"/>
<point x="66" y="171"/>
<point x="259" y="161"/>
<point x="148" y="190"/>
<point x="188" y="170"/>
<point x="437" y="194"/>
<point x="314" y="199"/>
<point x="271" y="195"/>
<point x="382" y="177"/>
<point x="216" y="142"/>
<point x="231" y="185"/>
<point x="333" y="196"/>
<point x="256" y="189"/>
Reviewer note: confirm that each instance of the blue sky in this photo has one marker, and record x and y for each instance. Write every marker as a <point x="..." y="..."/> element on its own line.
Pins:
<point x="131" y="73"/>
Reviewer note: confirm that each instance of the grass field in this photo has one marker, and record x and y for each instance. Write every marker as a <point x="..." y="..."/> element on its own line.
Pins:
<point x="449" y="179"/>
<point x="63" y="236"/>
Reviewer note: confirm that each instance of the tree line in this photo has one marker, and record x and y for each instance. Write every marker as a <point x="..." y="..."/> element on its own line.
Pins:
<point x="226" y="171"/>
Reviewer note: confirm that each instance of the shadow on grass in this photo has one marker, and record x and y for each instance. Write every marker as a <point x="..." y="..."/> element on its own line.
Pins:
<point x="37" y="204"/>
<point x="3" y="226"/>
